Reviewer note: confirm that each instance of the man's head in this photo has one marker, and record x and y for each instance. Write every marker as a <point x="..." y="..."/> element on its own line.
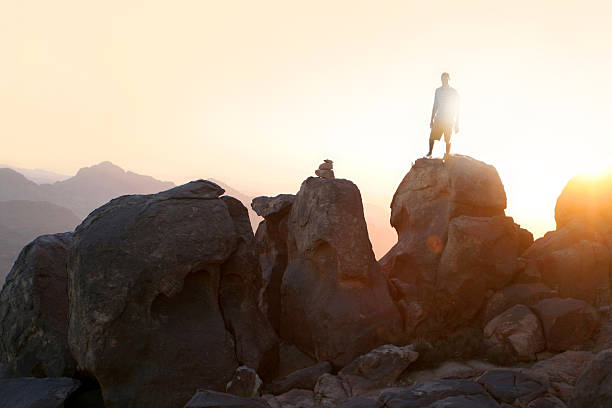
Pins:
<point x="445" y="78"/>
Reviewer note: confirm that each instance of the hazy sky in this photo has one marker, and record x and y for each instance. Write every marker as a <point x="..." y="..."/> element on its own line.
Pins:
<point x="257" y="93"/>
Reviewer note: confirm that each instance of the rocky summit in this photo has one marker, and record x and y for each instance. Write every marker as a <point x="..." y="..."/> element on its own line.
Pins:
<point x="169" y="300"/>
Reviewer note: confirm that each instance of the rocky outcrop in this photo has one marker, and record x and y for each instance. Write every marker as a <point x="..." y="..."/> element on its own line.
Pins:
<point x="481" y="255"/>
<point x="574" y="260"/>
<point x="36" y="392"/>
<point x="594" y="387"/>
<point x="333" y="285"/>
<point x="517" y="294"/>
<point x="295" y="398"/>
<point x="214" y="399"/>
<point x="162" y="292"/>
<point x="562" y="371"/>
<point x="518" y="331"/>
<point x="377" y="369"/>
<point x="566" y="322"/>
<point x="245" y="383"/>
<point x="429" y="196"/>
<point x="271" y="237"/>
<point x="454" y="244"/>
<point x="588" y="199"/>
<point x="438" y="394"/>
<point x="34" y="311"/>
<point x="305" y="379"/>
<point x="512" y="387"/>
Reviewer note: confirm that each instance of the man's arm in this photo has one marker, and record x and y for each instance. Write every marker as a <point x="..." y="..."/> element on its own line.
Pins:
<point x="458" y="108"/>
<point x="434" y="109"/>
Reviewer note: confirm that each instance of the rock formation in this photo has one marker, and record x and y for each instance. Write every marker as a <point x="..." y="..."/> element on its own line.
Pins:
<point x="454" y="243"/>
<point x="271" y="237"/>
<point x="162" y="292"/>
<point x="34" y="309"/>
<point x="326" y="169"/>
<point x="36" y="392"/>
<point x="333" y="285"/>
<point x="594" y="387"/>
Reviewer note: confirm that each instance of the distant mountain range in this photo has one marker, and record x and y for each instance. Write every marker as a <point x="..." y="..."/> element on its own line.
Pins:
<point x="36" y="202"/>
<point x="29" y="209"/>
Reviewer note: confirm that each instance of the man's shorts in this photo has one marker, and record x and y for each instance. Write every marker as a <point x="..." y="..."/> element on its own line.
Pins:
<point x="441" y="128"/>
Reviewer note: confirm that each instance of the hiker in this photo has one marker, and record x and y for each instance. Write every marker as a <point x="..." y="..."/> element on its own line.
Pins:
<point x="444" y="115"/>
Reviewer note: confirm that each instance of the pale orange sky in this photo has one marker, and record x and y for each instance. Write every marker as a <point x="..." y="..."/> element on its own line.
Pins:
<point x="257" y="93"/>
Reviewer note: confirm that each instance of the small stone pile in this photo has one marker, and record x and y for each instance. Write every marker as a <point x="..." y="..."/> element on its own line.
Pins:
<point x="326" y="169"/>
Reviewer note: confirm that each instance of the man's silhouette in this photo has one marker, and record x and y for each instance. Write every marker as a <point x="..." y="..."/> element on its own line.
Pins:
<point x="444" y="115"/>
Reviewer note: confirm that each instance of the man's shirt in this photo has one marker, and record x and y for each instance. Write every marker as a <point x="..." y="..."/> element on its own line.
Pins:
<point x="446" y="105"/>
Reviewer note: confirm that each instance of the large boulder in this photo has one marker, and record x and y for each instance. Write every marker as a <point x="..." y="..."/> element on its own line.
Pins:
<point x="214" y="399"/>
<point x="333" y="285"/>
<point x="271" y="237"/>
<point x="162" y="292"/>
<point x="588" y="199"/>
<point x="454" y="244"/>
<point x="34" y="311"/>
<point x="36" y="392"/>
<point x="566" y="322"/>
<point x="513" y="387"/>
<point x="575" y="260"/>
<point x="481" y="255"/>
<point x="305" y="379"/>
<point x="429" y="196"/>
<point x="439" y="394"/>
<point x="517" y="330"/>
<point x="517" y="294"/>
<point x="377" y="369"/>
<point x="594" y="387"/>
<point x="562" y="371"/>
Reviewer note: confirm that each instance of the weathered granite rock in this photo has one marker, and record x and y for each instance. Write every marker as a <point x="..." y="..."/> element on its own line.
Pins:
<point x="377" y="369"/>
<point x="517" y="294"/>
<point x="245" y="383"/>
<point x="450" y="370"/>
<point x="306" y="378"/>
<point x="566" y="322"/>
<point x="454" y="244"/>
<point x="547" y="402"/>
<point x="429" y="196"/>
<point x="241" y="283"/>
<point x="574" y="260"/>
<point x="518" y="330"/>
<point x="512" y="386"/>
<point x="359" y="402"/>
<point x="295" y="398"/>
<point x="562" y="371"/>
<point x="428" y="393"/>
<point x="333" y="285"/>
<point x="327" y="174"/>
<point x="330" y="391"/>
<point x="156" y="268"/>
<point x="34" y="311"/>
<point x="271" y="237"/>
<point x="481" y="255"/>
<point x="214" y="399"/>
<point x="36" y="392"/>
<point x="466" y="401"/>
<point x="594" y="387"/>
<point x="292" y="359"/>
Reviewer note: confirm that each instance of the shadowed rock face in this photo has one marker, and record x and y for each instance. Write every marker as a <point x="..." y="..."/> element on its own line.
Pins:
<point x="34" y="309"/>
<point x="454" y="243"/>
<point x="594" y="386"/>
<point x="163" y="296"/>
<point x="335" y="302"/>
<point x="271" y="237"/>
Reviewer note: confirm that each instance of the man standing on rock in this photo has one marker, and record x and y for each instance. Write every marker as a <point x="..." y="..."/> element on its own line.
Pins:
<point x="444" y="115"/>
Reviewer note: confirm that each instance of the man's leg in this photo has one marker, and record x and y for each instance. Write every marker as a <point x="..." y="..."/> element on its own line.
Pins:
<point x="431" y="145"/>
<point x="447" y="138"/>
